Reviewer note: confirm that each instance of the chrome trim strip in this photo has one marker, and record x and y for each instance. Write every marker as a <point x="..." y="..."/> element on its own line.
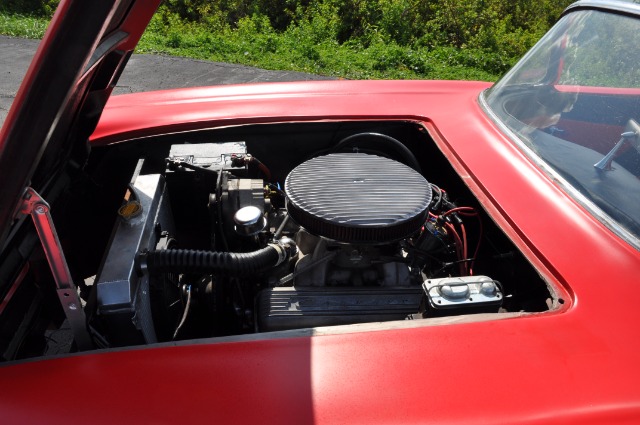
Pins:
<point x="624" y="7"/>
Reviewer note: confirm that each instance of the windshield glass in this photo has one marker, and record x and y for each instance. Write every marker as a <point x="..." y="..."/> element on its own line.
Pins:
<point x="574" y="101"/>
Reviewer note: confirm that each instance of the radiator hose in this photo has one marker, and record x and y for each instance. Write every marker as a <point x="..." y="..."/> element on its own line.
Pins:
<point x="234" y="263"/>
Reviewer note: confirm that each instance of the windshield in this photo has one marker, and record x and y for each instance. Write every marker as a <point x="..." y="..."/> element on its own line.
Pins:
<point x="574" y="102"/>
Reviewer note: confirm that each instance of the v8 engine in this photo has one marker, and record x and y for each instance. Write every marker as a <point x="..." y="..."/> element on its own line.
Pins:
<point x="215" y="245"/>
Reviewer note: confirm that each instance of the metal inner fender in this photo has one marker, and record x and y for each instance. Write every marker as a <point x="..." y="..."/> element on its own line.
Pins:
<point x="357" y="198"/>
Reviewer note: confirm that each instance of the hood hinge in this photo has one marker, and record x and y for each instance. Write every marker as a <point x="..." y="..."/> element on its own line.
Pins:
<point x="38" y="209"/>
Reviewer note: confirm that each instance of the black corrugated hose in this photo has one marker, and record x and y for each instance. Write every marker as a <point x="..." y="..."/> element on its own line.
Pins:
<point x="235" y="263"/>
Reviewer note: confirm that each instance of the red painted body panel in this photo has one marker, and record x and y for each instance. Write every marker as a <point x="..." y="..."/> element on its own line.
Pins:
<point x="575" y="365"/>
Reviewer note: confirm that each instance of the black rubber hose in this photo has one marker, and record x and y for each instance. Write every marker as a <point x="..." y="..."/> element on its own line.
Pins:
<point x="192" y="261"/>
<point x="408" y="157"/>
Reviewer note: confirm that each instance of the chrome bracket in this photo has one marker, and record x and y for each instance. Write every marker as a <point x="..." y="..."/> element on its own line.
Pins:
<point x="38" y="209"/>
<point x="605" y="163"/>
<point x="629" y="136"/>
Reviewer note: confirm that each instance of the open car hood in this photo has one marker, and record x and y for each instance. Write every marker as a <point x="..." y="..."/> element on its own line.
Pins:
<point x="63" y="93"/>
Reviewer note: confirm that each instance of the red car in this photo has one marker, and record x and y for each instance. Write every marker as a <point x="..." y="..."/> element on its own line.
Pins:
<point x="323" y="252"/>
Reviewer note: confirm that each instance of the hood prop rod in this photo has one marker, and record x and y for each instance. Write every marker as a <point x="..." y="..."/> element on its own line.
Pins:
<point x="38" y="209"/>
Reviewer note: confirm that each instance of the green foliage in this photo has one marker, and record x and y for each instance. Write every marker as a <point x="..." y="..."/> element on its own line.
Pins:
<point x="477" y="39"/>
<point x="36" y="8"/>
<point x="22" y="26"/>
<point x="312" y="46"/>
<point x="504" y="26"/>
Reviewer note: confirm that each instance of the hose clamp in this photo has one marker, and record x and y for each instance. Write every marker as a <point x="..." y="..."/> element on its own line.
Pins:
<point x="286" y="248"/>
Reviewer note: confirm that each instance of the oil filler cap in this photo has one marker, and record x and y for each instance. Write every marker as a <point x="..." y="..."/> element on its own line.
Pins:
<point x="249" y="221"/>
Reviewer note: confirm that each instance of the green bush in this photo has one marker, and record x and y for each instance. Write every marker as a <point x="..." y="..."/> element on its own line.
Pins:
<point x="477" y="39"/>
<point x="22" y="26"/>
<point x="36" y="8"/>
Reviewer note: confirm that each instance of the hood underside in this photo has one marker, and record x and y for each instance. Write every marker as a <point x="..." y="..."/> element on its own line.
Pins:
<point x="64" y="91"/>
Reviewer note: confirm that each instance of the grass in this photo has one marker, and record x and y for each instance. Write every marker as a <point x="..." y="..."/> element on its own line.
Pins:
<point x="253" y="42"/>
<point x="22" y="26"/>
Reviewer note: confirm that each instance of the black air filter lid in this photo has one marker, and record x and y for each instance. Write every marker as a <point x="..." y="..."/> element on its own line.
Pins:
<point x="357" y="198"/>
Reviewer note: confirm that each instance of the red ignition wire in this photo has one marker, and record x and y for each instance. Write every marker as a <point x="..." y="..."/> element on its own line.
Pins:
<point x="464" y="248"/>
<point x="458" y="242"/>
<point x="475" y="254"/>
<point x="467" y="212"/>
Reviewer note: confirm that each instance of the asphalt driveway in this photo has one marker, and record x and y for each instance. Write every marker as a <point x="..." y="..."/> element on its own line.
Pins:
<point x="143" y="72"/>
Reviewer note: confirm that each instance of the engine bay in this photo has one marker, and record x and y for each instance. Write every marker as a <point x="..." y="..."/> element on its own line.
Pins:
<point x="275" y="227"/>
